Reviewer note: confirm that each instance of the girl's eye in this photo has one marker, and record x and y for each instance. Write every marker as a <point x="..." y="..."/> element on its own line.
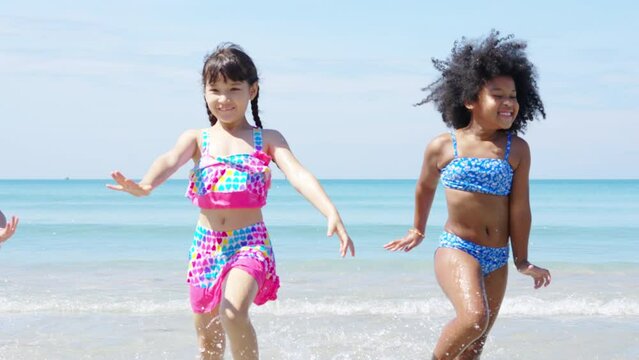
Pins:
<point x="235" y="89"/>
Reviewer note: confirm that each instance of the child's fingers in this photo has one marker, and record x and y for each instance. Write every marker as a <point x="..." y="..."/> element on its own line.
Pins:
<point x="346" y="246"/>
<point x="391" y="245"/>
<point x="118" y="176"/>
<point x="344" y="240"/>
<point x="115" y="187"/>
<point x="7" y="231"/>
<point x="13" y="224"/>
<point x="9" y="228"/>
<point x="123" y="180"/>
<point x="346" y="243"/>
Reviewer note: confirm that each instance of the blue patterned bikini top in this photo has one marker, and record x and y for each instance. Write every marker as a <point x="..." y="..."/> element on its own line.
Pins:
<point x="481" y="175"/>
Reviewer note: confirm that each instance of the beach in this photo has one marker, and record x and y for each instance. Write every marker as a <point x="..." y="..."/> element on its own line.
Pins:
<point x="95" y="274"/>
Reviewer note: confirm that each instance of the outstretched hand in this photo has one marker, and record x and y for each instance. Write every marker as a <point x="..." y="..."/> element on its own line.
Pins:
<point x="9" y="229"/>
<point x="335" y="225"/>
<point x="128" y="185"/>
<point x="540" y="275"/>
<point x="407" y="243"/>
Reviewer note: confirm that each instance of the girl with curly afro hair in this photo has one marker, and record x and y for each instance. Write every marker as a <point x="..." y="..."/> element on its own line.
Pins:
<point x="487" y="93"/>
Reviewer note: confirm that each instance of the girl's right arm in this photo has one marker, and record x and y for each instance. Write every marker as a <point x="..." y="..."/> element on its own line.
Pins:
<point x="161" y="169"/>
<point x="424" y="195"/>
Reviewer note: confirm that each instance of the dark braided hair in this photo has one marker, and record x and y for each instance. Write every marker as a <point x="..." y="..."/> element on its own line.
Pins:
<point x="230" y="62"/>
<point x="473" y="63"/>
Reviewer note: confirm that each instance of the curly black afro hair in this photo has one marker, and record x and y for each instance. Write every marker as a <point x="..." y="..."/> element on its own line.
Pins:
<point x="470" y="65"/>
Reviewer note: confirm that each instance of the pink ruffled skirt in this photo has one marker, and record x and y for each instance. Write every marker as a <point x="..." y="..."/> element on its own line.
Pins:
<point x="214" y="253"/>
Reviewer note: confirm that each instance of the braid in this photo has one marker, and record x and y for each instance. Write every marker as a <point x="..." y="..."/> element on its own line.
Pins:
<point x="212" y="118"/>
<point x="256" y="116"/>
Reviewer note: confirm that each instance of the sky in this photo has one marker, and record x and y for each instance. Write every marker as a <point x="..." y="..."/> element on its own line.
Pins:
<point x="94" y="86"/>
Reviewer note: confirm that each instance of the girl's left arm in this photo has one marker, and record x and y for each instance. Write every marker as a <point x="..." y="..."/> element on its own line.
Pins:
<point x="308" y="186"/>
<point x="520" y="217"/>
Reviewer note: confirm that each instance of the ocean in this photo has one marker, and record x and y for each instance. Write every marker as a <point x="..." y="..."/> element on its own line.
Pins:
<point x="96" y="274"/>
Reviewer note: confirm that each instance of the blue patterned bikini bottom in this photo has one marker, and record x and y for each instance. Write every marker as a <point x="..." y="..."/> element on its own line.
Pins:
<point x="490" y="258"/>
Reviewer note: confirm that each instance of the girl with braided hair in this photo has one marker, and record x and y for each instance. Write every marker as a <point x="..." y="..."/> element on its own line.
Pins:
<point x="232" y="263"/>
<point x="487" y="93"/>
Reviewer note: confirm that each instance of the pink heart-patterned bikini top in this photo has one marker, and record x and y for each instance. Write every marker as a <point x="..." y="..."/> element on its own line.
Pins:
<point x="233" y="181"/>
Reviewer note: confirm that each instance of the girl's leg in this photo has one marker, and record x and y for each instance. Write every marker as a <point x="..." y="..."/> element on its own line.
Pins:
<point x="460" y="277"/>
<point x="239" y="290"/>
<point x="210" y="335"/>
<point x="495" y="285"/>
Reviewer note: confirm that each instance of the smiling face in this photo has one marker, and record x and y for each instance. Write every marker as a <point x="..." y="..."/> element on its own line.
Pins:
<point x="496" y="106"/>
<point x="228" y="100"/>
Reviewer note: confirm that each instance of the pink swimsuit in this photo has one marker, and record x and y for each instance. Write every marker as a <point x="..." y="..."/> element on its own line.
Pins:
<point x="230" y="182"/>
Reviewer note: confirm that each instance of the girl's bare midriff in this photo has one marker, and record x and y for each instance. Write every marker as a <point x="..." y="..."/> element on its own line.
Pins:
<point x="229" y="219"/>
<point x="480" y="218"/>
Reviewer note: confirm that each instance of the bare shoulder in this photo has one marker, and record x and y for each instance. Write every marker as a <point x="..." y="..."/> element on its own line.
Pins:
<point x="519" y="151"/>
<point x="440" y="149"/>
<point x="273" y="137"/>
<point x="440" y="142"/>
<point x="190" y="135"/>
<point x="188" y="141"/>
<point x="436" y="154"/>
<point x="519" y="146"/>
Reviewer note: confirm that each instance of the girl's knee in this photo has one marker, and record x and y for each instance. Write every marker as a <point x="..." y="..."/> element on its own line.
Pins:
<point x="230" y="315"/>
<point x="475" y="321"/>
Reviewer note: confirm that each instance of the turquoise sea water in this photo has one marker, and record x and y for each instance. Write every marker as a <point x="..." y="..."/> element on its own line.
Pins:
<point x="92" y="266"/>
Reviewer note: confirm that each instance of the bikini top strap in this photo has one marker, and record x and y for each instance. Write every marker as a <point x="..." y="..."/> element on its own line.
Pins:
<point x="205" y="143"/>
<point x="257" y="139"/>
<point x="452" y="136"/>
<point x="508" y="142"/>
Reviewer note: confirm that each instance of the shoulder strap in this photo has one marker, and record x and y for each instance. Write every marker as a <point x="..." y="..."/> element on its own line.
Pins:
<point x="508" y="142"/>
<point x="257" y="139"/>
<point x="205" y="143"/>
<point x="452" y="136"/>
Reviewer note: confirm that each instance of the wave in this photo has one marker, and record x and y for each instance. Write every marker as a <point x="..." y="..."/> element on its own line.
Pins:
<point x="521" y="306"/>
<point x="514" y="307"/>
